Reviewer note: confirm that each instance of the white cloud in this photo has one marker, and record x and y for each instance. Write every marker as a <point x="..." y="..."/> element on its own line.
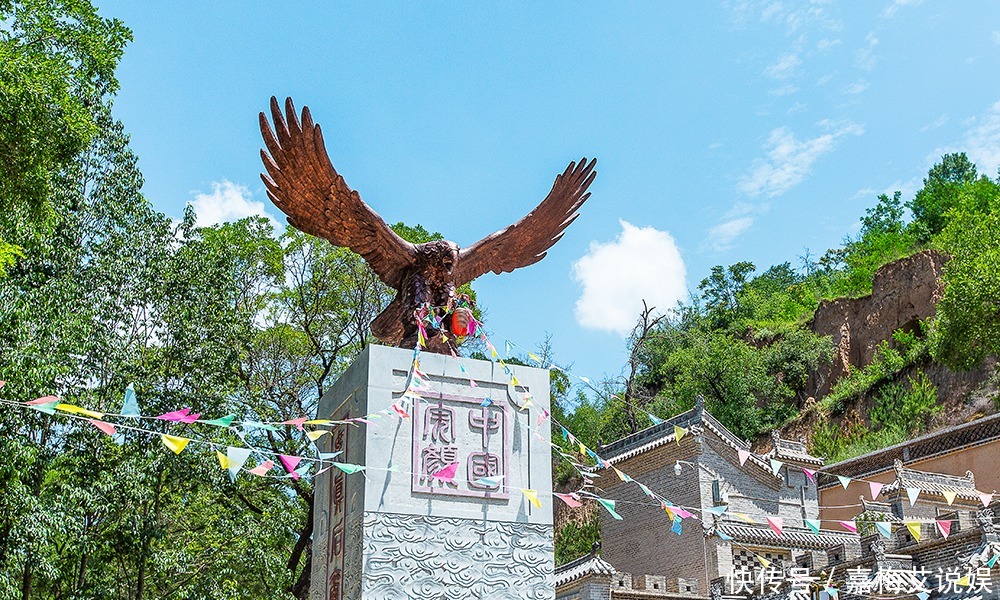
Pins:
<point x="790" y="160"/>
<point x="890" y="10"/>
<point x="826" y="44"/>
<point x="227" y="202"/>
<point x="938" y="122"/>
<point x="856" y="88"/>
<point x="722" y="236"/>
<point x="785" y="90"/>
<point x="864" y="57"/>
<point x="982" y="141"/>
<point x="643" y="263"/>
<point x="784" y="68"/>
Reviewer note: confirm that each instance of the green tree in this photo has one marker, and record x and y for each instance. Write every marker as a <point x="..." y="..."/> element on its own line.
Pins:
<point x="57" y="63"/>
<point x="941" y="188"/>
<point x="967" y="328"/>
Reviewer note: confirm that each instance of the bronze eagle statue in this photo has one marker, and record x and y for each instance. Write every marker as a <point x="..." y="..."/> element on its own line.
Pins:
<point x="302" y="182"/>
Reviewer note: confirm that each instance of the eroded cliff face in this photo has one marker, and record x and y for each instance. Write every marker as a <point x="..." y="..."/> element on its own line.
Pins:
<point x="904" y="293"/>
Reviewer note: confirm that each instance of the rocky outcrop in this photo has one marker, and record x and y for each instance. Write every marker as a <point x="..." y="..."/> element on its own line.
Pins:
<point x="904" y="293"/>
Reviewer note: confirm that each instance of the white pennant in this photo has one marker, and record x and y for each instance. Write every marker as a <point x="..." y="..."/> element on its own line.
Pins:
<point x="912" y="494"/>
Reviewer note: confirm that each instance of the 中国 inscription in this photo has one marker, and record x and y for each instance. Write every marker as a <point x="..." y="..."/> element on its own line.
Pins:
<point x="459" y="431"/>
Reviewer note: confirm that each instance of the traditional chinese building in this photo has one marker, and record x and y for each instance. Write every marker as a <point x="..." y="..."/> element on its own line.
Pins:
<point x="703" y="471"/>
<point x="644" y="558"/>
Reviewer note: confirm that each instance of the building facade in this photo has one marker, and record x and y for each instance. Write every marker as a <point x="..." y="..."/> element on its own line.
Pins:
<point x="645" y="556"/>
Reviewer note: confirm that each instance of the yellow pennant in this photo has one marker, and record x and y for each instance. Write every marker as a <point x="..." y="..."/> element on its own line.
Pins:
<point x="223" y="460"/>
<point x="670" y="513"/>
<point x="527" y="403"/>
<point x="620" y="474"/>
<point x="78" y="410"/>
<point x="315" y="435"/>
<point x="914" y="528"/>
<point x="743" y="517"/>
<point x="514" y="381"/>
<point x="176" y="444"/>
<point x="318" y="422"/>
<point x="534" y="357"/>
<point x="763" y="561"/>
<point x="679" y="433"/>
<point x="532" y="497"/>
<point x="583" y="449"/>
<point x="949" y="496"/>
<point x="964" y="580"/>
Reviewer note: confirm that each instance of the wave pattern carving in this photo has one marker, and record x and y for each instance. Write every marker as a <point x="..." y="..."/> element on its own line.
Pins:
<point x="410" y="557"/>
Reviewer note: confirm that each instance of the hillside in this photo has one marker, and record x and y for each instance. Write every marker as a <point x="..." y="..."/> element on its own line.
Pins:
<point x="887" y="336"/>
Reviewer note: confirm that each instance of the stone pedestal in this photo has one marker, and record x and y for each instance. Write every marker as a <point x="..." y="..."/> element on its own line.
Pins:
<point x="387" y="534"/>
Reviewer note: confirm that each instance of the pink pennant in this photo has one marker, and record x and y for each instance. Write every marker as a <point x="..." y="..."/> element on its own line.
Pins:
<point x="175" y="415"/>
<point x="875" y="487"/>
<point x="297" y="422"/>
<point x="542" y="417"/>
<point x="363" y="420"/>
<point x="570" y="501"/>
<point x="744" y="455"/>
<point x="776" y="524"/>
<point x="944" y="527"/>
<point x="104" y="426"/>
<point x="399" y="411"/>
<point x="290" y="462"/>
<point x="447" y="473"/>
<point x="810" y="474"/>
<point x="44" y="400"/>
<point x="472" y="383"/>
<point x="680" y="512"/>
<point x="262" y="468"/>
<point x="985" y="498"/>
<point x="850" y="526"/>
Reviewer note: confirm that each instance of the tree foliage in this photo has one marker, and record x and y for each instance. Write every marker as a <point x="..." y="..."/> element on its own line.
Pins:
<point x="57" y="63"/>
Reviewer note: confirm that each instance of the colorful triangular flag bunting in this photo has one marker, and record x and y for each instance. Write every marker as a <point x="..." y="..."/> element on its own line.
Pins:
<point x="176" y="444"/>
<point x="610" y="506"/>
<point x="130" y="408"/>
<point x="776" y="523"/>
<point x="885" y="528"/>
<point x="944" y="527"/>
<point x="532" y="497"/>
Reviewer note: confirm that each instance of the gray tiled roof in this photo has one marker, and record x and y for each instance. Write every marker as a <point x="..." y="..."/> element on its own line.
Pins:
<point x="792" y="537"/>
<point x="591" y="564"/>
<point x="935" y="483"/>
<point x="945" y="441"/>
<point x="788" y="450"/>
<point x="663" y="433"/>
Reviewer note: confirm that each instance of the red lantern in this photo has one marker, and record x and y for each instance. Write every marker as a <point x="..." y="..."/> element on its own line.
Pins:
<point x="460" y="320"/>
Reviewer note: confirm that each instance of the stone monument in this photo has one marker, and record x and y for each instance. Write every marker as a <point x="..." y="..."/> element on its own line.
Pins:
<point x="394" y="531"/>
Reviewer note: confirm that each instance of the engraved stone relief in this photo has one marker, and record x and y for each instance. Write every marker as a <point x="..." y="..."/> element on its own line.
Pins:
<point x="458" y="559"/>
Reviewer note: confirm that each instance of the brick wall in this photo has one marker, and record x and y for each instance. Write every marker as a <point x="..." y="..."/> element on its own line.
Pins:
<point x="642" y="542"/>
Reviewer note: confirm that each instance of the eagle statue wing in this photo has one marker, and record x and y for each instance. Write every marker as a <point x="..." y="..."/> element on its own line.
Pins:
<point x="302" y="182"/>
<point x="526" y="242"/>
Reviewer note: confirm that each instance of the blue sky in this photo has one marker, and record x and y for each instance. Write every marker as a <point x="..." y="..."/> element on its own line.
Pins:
<point x="724" y="130"/>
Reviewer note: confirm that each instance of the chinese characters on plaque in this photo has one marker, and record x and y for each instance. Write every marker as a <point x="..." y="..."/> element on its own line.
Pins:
<point x="460" y="431"/>
<point x="338" y="510"/>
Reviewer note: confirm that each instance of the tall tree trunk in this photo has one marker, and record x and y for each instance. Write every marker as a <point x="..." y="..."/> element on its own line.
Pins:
<point x="303" y="545"/>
